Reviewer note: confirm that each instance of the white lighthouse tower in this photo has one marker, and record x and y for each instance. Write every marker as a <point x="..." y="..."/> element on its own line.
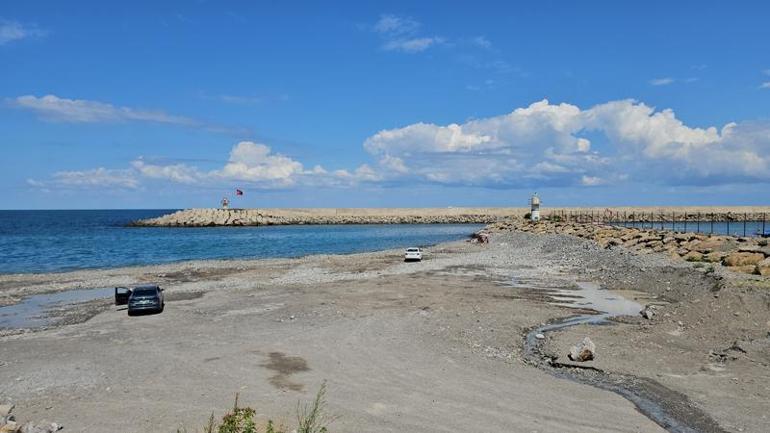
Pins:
<point x="534" y="213"/>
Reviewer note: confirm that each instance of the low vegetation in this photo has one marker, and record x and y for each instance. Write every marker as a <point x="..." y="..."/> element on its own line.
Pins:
<point x="311" y="418"/>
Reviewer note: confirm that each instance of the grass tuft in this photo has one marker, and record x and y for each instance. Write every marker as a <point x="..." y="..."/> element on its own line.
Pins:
<point x="311" y="418"/>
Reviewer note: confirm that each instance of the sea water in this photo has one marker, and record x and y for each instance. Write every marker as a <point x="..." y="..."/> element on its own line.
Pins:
<point x="62" y="240"/>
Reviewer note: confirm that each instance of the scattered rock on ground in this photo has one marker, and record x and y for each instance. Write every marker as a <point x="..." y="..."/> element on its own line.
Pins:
<point x="583" y="352"/>
<point x="8" y="423"/>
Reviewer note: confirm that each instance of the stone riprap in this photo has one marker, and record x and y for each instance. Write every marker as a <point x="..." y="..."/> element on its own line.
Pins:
<point x="657" y="214"/>
<point x="749" y="255"/>
<point x="209" y="217"/>
<point x="263" y="217"/>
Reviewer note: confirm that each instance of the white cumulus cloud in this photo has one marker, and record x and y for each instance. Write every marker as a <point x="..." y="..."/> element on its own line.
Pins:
<point x="254" y="162"/>
<point x="249" y="162"/>
<point x="549" y="143"/>
<point x="180" y="173"/>
<point x="542" y="144"/>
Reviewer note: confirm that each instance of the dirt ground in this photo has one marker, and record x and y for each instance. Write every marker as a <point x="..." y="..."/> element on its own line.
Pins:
<point x="435" y="346"/>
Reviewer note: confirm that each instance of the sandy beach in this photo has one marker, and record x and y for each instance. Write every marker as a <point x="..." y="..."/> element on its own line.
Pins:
<point x="434" y="346"/>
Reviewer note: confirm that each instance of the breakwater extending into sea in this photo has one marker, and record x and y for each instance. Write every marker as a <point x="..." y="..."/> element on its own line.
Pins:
<point x="210" y="217"/>
<point x="329" y="216"/>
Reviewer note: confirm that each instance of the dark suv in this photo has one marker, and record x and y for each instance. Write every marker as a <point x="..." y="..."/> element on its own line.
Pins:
<point x="140" y="298"/>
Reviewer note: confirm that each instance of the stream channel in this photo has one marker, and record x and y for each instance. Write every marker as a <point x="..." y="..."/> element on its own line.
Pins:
<point x="668" y="408"/>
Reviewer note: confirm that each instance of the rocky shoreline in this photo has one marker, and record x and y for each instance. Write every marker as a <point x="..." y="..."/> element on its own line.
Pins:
<point x="749" y="255"/>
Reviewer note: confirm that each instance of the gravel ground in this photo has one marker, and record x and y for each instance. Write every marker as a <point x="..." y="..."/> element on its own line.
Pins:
<point x="430" y="346"/>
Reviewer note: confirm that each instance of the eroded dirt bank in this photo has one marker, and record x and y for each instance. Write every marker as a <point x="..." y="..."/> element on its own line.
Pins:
<point x="431" y="346"/>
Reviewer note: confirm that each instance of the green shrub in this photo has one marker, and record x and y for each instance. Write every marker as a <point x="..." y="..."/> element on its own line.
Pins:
<point x="311" y="418"/>
<point x="240" y="420"/>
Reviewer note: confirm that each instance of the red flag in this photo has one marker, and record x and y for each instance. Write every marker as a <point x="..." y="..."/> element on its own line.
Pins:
<point x="238" y="192"/>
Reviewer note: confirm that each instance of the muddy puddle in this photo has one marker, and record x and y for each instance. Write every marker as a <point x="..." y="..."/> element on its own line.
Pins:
<point x="41" y="310"/>
<point x="596" y="306"/>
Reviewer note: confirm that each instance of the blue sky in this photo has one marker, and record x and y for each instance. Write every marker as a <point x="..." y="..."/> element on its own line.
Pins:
<point x="310" y="104"/>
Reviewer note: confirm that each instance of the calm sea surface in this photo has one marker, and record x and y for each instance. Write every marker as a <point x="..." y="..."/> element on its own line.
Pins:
<point x="51" y="241"/>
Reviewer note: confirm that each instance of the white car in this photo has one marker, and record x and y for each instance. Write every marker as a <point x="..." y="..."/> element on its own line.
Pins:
<point x="413" y="254"/>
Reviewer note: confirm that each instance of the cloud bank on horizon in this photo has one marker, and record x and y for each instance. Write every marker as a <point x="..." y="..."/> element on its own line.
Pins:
<point x="541" y="144"/>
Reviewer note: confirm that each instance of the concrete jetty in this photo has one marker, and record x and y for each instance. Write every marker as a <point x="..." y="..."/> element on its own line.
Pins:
<point x="210" y="217"/>
<point x="263" y="217"/>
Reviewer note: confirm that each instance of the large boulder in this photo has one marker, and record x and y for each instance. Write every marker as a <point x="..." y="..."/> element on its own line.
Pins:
<point x="763" y="267"/>
<point x="630" y="243"/>
<point x="746" y="269"/>
<point x="684" y="237"/>
<point x="654" y="244"/>
<point x="585" y="351"/>
<point x="710" y="245"/>
<point x="743" y="259"/>
<point x="750" y="248"/>
<point x="630" y="235"/>
<point x="693" y="256"/>
<point x="714" y="257"/>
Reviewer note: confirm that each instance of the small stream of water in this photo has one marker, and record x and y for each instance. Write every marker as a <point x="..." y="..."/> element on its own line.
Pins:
<point x="669" y="409"/>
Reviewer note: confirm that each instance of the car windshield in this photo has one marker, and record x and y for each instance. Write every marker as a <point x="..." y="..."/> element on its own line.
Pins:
<point x="412" y="250"/>
<point x="144" y="291"/>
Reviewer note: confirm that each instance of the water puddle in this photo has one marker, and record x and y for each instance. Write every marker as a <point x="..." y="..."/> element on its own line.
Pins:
<point x="586" y="295"/>
<point x="36" y="311"/>
<point x="591" y="296"/>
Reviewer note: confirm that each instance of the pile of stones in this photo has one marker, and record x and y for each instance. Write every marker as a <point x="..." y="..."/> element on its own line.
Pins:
<point x="8" y="423"/>
<point x="750" y="255"/>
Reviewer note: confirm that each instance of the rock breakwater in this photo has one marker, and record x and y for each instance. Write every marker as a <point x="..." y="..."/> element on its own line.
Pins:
<point x="749" y="255"/>
<point x="264" y="217"/>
